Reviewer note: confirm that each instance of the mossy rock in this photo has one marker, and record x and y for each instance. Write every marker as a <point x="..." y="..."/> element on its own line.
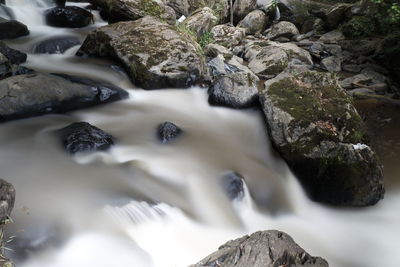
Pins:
<point x="314" y="125"/>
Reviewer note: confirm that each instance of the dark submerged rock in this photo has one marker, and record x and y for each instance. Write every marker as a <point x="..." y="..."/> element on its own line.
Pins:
<point x="10" y="29"/>
<point x="233" y="185"/>
<point x="7" y="199"/>
<point x="315" y="127"/>
<point x="68" y="17"/>
<point x="84" y="137"/>
<point x="56" y="45"/>
<point x="262" y="249"/>
<point x="14" y="56"/>
<point x="35" y="94"/>
<point x="168" y="131"/>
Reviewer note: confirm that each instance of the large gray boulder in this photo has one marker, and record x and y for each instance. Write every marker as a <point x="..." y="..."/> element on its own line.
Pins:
<point x="262" y="249"/>
<point x="35" y="94"/>
<point x="315" y="127"/>
<point x="243" y="7"/>
<point x="228" y="35"/>
<point x="254" y="22"/>
<point x="201" y="21"/>
<point x="187" y="7"/>
<point x="282" y="29"/>
<point x="7" y="199"/>
<point x="154" y="54"/>
<point x="124" y="10"/>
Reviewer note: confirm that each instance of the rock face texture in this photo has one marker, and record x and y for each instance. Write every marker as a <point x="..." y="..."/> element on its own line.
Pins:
<point x="262" y="249"/>
<point x="254" y="22"/>
<point x="36" y="94"/>
<point x="125" y="10"/>
<point x="7" y="199"/>
<point x="154" y="53"/>
<point x="187" y="7"/>
<point x="68" y="17"/>
<point x="315" y="127"/>
<point x="168" y="131"/>
<point x="201" y="21"/>
<point x="84" y="137"/>
<point x="227" y="35"/>
<point x="10" y="29"/>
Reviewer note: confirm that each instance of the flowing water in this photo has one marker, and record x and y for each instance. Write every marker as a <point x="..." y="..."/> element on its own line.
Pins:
<point x="145" y="204"/>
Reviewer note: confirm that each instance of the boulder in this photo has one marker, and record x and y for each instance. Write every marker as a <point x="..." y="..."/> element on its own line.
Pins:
<point x="5" y="67"/>
<point x="336" y="15"/>
<point x="56" y="45"/>
<point x="35" y="94"/>
<point x="14" y="56"/>
<point x="213" y="50"/>
<point x="282" y="29"/>
<point x="267" y="59"/>
<point x="315" y="127"/>
<point x="168" y="131"/>
<point x="332" y="37"/>
<point x="388" y="54"/>
<point x="7" y="199"/>
<point x="68" y="17"/>
<point x="201" y="21"/>
<point x="262" y="249"/>
<point x="10" y="29"/>
<point x="332" y="64"/>
<point x="125" y="10"/>
<point x="243" y="7"/>
<point x="254" y="22"/>
<point x="233" y="185"/>
<point x="154" y="54"/>
<point x="227" y="35"/>
<point x="84" y="137"/>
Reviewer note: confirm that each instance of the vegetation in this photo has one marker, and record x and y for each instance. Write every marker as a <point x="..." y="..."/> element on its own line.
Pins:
<point x="205" y="39"/>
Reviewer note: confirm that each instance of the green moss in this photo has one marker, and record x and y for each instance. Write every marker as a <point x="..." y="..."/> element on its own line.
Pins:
<point x="205" y="39"/>
<point x="151" y="8"/>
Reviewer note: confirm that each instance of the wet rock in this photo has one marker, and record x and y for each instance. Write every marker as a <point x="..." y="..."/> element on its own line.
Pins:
<point x="254" y="22"/>
<point x="7" y="199"/>
<point x="227" y="35"/>
<point x="168" y="131"/>
<point x="243" y="7"/>
<point x="68" y="17"/>
<point x="153" y="53"/>
<point x="233" y="185"/>
<point x="126" y="10"/>
<point x="60" y="2"/>
<point x="84" y="137"/>
<point x="35" y="94"/>
<point x="14" y="56"/>
<point x="201" y="21"/>
<point x="5" y="67"/>
<point x="336" y="15"/>
<point x="282" y="29"/>
<point x="213" y="50"/>
<point x="332" y="64"/>
<point x="360" y="91"/>
<point x="351" y="68"/>
<point x="367" y="77"/>
<point x="262" y="249"/>
<point x="316" y="129"/>
<point x="10" y="29"/>
<point x="57" y="45"/>
<point x="218" y="66"/>
<point x="332" y="37"/>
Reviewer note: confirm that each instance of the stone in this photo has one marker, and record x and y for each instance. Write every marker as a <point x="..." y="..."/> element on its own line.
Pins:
<point x="254" y="22"/>
<point x="7" y="199"/>
<point x="332" y="64"/>
<point x="5" y="67"/>
<point x="168" y="131"/>
<point x="336" y="15"/>
<point x="282" y="29"/>
<point x="28" y="95"/>
<point x="314" y="126"/>
<point x="56" y="45"/>
<point x="332" y="37"/>
<point x="233" y="185"/>
<point x="68" y="17"/>
<point x="262" y="249"/>
<point x="388" y="54"/>
<point x="351" y="68"/>
<point x="227" y="35"/>
<point x="201" y="21"/>
<point x="14" y="56"/>
<point x="154" y="54"/>
<point x="213" y="50"/>
<point x="81" y="137"/>
<point x="10" y="29"/>
<point x="126" y="10"/>
<point x="243" y="7"/>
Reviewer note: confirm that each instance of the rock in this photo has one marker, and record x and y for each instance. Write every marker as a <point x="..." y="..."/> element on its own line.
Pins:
<point x="126" y="10"/>
<point x="282" y="29"/>
<point x="36" y="94"/>
<point x="243" y="7"/>
<point x="168" y="131"/>
<point x="56" y="45"/>
<point x="360" y="91"/>
<point x="267" y="59"/>
<point x="332" y="64"/>
<point x="14" y="56"/>
<point x="5" y="67"/>
<point x="262" y="249"/>
<point x="355" y="81"/>
<point x="236" y="90"/>
<point x="153" y="53"/>
<point x="10" y="29"/>
<point x="7" y="199"/>
<point x="201" y="21"/>
<point x="332" y="37"/>
<point x="351" y="68"/>
<point x="336" y="15"/>
<point x="60" y="2"/>
<point x="254" y="22"/>
<point x="316" y="129"/>
<point x="388" y="54"/>
<point x="84" y="137"/>
<point x="227" y="35"/>
<point x="68" y="17"/>
<point x="213" y="50"/>
<point x="233" y="185"/>
<point x="218" y="66"/>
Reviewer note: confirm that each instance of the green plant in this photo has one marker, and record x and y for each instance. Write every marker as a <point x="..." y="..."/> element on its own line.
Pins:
<point x="205" y="39"/>
<point x="4" y="243"/>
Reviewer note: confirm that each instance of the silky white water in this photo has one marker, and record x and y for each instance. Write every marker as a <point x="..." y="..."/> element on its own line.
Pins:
<point x="147" y="204"/>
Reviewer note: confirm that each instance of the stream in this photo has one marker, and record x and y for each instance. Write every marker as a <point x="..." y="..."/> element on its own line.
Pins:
<point x="147" y="204"/>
